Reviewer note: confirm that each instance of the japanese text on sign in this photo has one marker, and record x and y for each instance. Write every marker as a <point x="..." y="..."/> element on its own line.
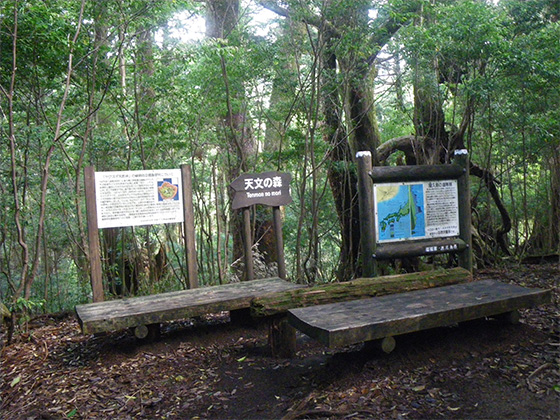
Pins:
<point x="134" y="198"/>
<point x="262" y="183"/>
<point x="268" y="188"/>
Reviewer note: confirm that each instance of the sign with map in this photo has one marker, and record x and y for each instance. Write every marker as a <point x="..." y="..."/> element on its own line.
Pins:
<point x="416" y="210"/>
<point x="134" y="198"/>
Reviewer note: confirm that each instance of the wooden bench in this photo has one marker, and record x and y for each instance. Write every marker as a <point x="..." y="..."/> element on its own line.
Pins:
<point x="140" y="312"/>
<point x="381" y="318"/>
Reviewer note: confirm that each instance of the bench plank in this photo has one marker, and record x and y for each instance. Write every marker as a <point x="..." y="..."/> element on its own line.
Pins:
<point x="345" y="323"/>
<point x="162" y="307"/>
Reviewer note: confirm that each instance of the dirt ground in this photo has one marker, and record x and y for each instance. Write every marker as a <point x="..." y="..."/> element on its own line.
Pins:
<point x="209" y="368"/>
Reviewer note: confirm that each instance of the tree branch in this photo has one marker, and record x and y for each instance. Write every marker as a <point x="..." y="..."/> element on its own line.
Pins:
<point x="490" y="182"/>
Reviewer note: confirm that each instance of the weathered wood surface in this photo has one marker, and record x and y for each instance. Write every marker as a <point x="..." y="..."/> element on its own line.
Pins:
<point x="356" y="289"/>
<point x="345" y="323"/>
<point x="386" y="174"/>
<point x="153" y="309"/>
<point x="401" y="249"/>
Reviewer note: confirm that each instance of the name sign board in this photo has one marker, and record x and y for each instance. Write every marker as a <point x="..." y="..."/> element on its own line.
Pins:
<point x="416" y="210"/>
<point x="134" y="198"/>
<point x="268" y="188"/>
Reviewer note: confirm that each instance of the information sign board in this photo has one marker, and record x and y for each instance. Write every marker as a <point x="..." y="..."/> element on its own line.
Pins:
<point x="416" y="210"/>
<point x="268" y="188"/>
<point x="134" y="198"/>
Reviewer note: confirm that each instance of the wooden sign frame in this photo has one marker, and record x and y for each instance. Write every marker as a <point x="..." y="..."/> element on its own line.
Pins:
<point x="270" y="189"/>
<point x="373" y="251"/>
<point x="93" y="231"/>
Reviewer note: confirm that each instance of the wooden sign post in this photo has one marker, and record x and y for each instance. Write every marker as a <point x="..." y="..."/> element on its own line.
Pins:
<point x="270" y="189"/>
<point x="93" y="236"/>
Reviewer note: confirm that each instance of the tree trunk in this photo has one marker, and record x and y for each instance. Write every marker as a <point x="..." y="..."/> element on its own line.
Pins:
<point x="341" y="174"/>
<point x="555" y="204"/>
<point x="221" y="20"/>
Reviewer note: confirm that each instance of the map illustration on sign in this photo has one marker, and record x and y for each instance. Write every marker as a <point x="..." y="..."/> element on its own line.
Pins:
<point x="416" y="210"/>
<point x="400" y="211"/>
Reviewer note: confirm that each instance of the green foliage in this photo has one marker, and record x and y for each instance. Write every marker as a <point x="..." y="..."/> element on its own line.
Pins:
<point x="137" y="100"/>
<point x="25" y="308"/>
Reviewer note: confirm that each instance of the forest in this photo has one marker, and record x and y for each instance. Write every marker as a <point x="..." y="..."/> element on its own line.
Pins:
<point x="247" y="86"/>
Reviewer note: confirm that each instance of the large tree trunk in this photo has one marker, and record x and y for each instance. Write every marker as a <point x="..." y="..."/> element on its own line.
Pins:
<point x="221" y="20"/>
<point x="342" y="177"/>
<point x="545" y="234"/>
<point x="429" y="118"/>
<point x="555" y="204"/>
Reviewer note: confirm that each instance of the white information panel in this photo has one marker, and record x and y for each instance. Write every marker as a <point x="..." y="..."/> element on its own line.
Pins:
<point x="416" y="210"/>
<point x="135" y="198"/>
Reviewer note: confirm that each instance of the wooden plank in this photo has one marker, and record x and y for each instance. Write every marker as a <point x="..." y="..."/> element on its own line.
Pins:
<point x="144" y="310"/>
<point x="387" y="174"/>
<point x="404" y="249"/>
<point x="353" y="322"/>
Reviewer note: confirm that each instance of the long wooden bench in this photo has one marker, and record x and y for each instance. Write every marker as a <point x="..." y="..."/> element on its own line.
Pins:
<point x="345" y="323"/>
<point x="139" y="312"/>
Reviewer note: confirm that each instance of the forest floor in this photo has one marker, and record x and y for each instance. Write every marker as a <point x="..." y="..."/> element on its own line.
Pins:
<point x="209" y="368"/>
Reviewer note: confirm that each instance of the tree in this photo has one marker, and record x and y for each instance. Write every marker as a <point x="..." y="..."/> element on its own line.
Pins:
<point x="348" y="44"/>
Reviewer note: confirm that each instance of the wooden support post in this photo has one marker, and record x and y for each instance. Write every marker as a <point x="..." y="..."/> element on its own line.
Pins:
<point x="386" y="345"/>
<point x="93" y="236"/>
<point x="512" y="317"/>
<point x="248" y="244"/>
<point x="188" y="227"/>
<point x="149" y="332"/>
<point x="465" y="257"/>
<point x="282" y="337"/>
<point x="241" y="317"/>
<point x="367" y="218"/>
<point x="277" y="220"/>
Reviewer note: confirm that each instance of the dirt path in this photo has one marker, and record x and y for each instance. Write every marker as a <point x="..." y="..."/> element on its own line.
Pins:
<point x="213" y="369"/>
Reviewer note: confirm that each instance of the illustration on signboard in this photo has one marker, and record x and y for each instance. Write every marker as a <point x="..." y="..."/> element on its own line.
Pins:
<point x="400" y="211"/>
<point x="167" y="190"/>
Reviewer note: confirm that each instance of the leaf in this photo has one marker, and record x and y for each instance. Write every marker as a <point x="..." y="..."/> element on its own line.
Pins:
<point x="15" y="381"/>
<point x="242" y="359"/>
<point x="72" y="413"/>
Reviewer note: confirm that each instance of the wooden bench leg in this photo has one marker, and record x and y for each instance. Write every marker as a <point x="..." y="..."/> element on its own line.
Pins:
<point x="281" y="337"/>
<point x="512" y="317"/>
<point x="241" y="317"/>
<point x="386" y="345"/>
<point x="148" y="332"/>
